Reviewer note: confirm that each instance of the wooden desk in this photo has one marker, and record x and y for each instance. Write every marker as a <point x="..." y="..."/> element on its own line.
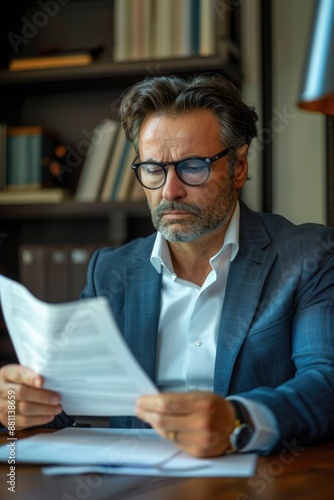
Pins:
<point x="299" y="475"/>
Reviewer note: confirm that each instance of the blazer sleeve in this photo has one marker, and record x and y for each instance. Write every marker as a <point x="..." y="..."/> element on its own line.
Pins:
<point x="304" y="405"/>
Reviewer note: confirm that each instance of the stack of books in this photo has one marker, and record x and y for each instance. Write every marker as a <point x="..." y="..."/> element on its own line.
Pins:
<point x="155" y="29"/>
<point x="26" y="159"/>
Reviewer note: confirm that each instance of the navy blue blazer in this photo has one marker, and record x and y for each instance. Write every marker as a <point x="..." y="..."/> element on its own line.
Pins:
<point x="276" y="333"/>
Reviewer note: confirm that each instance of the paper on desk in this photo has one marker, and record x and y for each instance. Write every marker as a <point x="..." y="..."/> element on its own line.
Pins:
<point x="126" y="451"/>
<point x="78" y="349"/>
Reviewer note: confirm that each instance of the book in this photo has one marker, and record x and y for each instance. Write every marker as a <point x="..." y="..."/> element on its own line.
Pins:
<point x="34" y="196"/>
<point x="96" y="161"/>
<point x="126" y="174"/>
<point x="3" y="155"/>
<point x="141" y="29"/>
<point x="113" y="166"/>
<point x="122" y="30"/>
<point x="122" y="164"/>
<point x="195" y="21"/>
<point x="30" y="150"/>
<point x="163" y="34"/>
<point x="28" y="62"/>
<point x="79" y="256"/>
<point x="207" y="32"/>
<point x="17" y="166"/>
<point x="182" y="28"/>
<point x="57" y="273"/>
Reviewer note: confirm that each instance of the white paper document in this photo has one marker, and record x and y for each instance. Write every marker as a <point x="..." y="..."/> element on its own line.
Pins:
<point x="78" y="349"/>
<point x="122" y="451"/>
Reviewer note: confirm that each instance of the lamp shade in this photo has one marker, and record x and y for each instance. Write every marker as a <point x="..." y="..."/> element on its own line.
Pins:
<point x="317" y="90"/>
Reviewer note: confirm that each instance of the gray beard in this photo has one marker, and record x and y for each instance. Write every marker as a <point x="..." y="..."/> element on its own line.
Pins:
<point x="205" y="220"/>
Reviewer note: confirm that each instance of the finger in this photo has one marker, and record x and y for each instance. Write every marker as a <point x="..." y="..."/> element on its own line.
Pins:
<point x="167" y="422"/>
<point x="21" y="374"/>
<point x="33" y="409"/>
<point x="172" y="402"/>
<point x="30" y="394"/>
<point x="30" y="414"/>
<point x="198" y="444"/>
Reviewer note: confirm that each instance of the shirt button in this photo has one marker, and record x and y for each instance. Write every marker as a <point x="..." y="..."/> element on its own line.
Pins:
<point x="198" y="343"/>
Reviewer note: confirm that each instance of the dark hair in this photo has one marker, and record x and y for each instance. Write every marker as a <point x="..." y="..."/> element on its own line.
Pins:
<point x="172" y="95"/>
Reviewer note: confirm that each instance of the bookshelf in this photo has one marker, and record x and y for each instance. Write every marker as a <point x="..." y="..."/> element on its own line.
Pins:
<point x="69" y="100"/>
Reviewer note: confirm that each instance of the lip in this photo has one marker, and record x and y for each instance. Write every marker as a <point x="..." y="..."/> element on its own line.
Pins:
<point x="178" y="215"/>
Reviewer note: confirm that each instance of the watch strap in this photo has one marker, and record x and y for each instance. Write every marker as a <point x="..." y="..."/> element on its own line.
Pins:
<point x="243" y="428"/>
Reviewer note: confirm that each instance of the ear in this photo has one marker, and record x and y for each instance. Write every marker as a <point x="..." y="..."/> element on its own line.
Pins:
<point x="241" y="168"/>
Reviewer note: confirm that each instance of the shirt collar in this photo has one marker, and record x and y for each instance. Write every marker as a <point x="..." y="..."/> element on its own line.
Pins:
<point x="160" y="255"/>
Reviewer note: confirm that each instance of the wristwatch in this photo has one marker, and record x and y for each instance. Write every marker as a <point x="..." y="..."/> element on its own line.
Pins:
<point x="243" y="428"/>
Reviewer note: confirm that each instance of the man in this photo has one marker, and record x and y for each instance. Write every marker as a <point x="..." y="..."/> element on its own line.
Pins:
<point x="229" y="311"/>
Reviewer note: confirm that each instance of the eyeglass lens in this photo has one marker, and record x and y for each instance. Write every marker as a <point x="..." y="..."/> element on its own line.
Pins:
<point x="192" y="171"/>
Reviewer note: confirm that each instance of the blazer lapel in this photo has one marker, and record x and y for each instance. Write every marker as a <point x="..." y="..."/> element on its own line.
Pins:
<point x="245" y="282"/>
<point x="142" y="307"/>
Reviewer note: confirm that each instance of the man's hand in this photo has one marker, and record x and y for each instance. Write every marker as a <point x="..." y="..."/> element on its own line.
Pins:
<point x="200" y="422"/>
<point x="33" y="405"/>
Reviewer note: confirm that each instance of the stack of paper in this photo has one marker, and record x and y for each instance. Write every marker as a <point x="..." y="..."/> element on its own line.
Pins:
<point x="126" y="451"/>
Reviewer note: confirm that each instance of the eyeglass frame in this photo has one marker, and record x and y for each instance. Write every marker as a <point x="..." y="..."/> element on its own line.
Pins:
<point x="209" y="160"/>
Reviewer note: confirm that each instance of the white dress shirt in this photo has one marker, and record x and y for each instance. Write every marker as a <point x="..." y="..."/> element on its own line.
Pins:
<point x="188" y="330"/>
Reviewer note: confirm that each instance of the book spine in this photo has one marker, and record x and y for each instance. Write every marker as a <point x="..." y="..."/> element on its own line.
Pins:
<point x="3" y="156"/>
<point x="186" y="45"/>
<point x="195" y="26"/>
<point x="122" y="30"/>
<point x="207" y="32"/>
<point x="120" y="170"/>
<point x="123" y="192"/>
<point x="163" y="40"/>
<point x="96" y="162"/>
<point x="35" y="158"/>
<point x="112" y="169"/>
<point x="17" y="167"/>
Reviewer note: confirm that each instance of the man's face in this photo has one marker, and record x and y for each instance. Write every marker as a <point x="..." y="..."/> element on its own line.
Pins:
<point x="180" y="212"/>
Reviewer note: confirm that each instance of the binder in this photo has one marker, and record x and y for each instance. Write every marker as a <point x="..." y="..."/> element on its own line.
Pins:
<point x="57" y="273"/>
<point x="32" y="268"/>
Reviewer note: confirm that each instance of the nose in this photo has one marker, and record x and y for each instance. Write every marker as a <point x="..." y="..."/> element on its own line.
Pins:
<point x="173" y="187"/>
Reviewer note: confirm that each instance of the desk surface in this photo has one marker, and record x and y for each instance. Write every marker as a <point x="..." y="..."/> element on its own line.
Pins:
<point x="297" y="474"/>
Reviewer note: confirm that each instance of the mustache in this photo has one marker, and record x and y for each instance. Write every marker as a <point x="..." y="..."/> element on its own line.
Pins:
<point x="170" y="206"/>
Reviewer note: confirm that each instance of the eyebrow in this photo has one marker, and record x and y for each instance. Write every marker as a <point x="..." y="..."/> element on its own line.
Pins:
<point x="181" y="159"/>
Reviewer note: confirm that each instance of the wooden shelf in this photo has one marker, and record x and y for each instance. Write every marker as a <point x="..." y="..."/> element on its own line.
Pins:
<point x="73" y="210"/>
<point x="114" y="74"/>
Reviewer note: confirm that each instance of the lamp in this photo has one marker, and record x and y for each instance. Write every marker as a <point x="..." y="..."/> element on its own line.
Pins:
<point x="317" y="93"/>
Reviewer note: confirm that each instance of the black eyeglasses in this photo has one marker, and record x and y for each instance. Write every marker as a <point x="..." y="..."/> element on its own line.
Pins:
<point x="191" y="171"/>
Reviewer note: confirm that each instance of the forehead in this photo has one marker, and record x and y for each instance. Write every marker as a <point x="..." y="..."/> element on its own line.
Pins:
<point x="189" y="128"/>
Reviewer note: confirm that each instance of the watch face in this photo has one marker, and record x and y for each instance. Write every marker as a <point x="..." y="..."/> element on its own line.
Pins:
<point x="241" y="436"/>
